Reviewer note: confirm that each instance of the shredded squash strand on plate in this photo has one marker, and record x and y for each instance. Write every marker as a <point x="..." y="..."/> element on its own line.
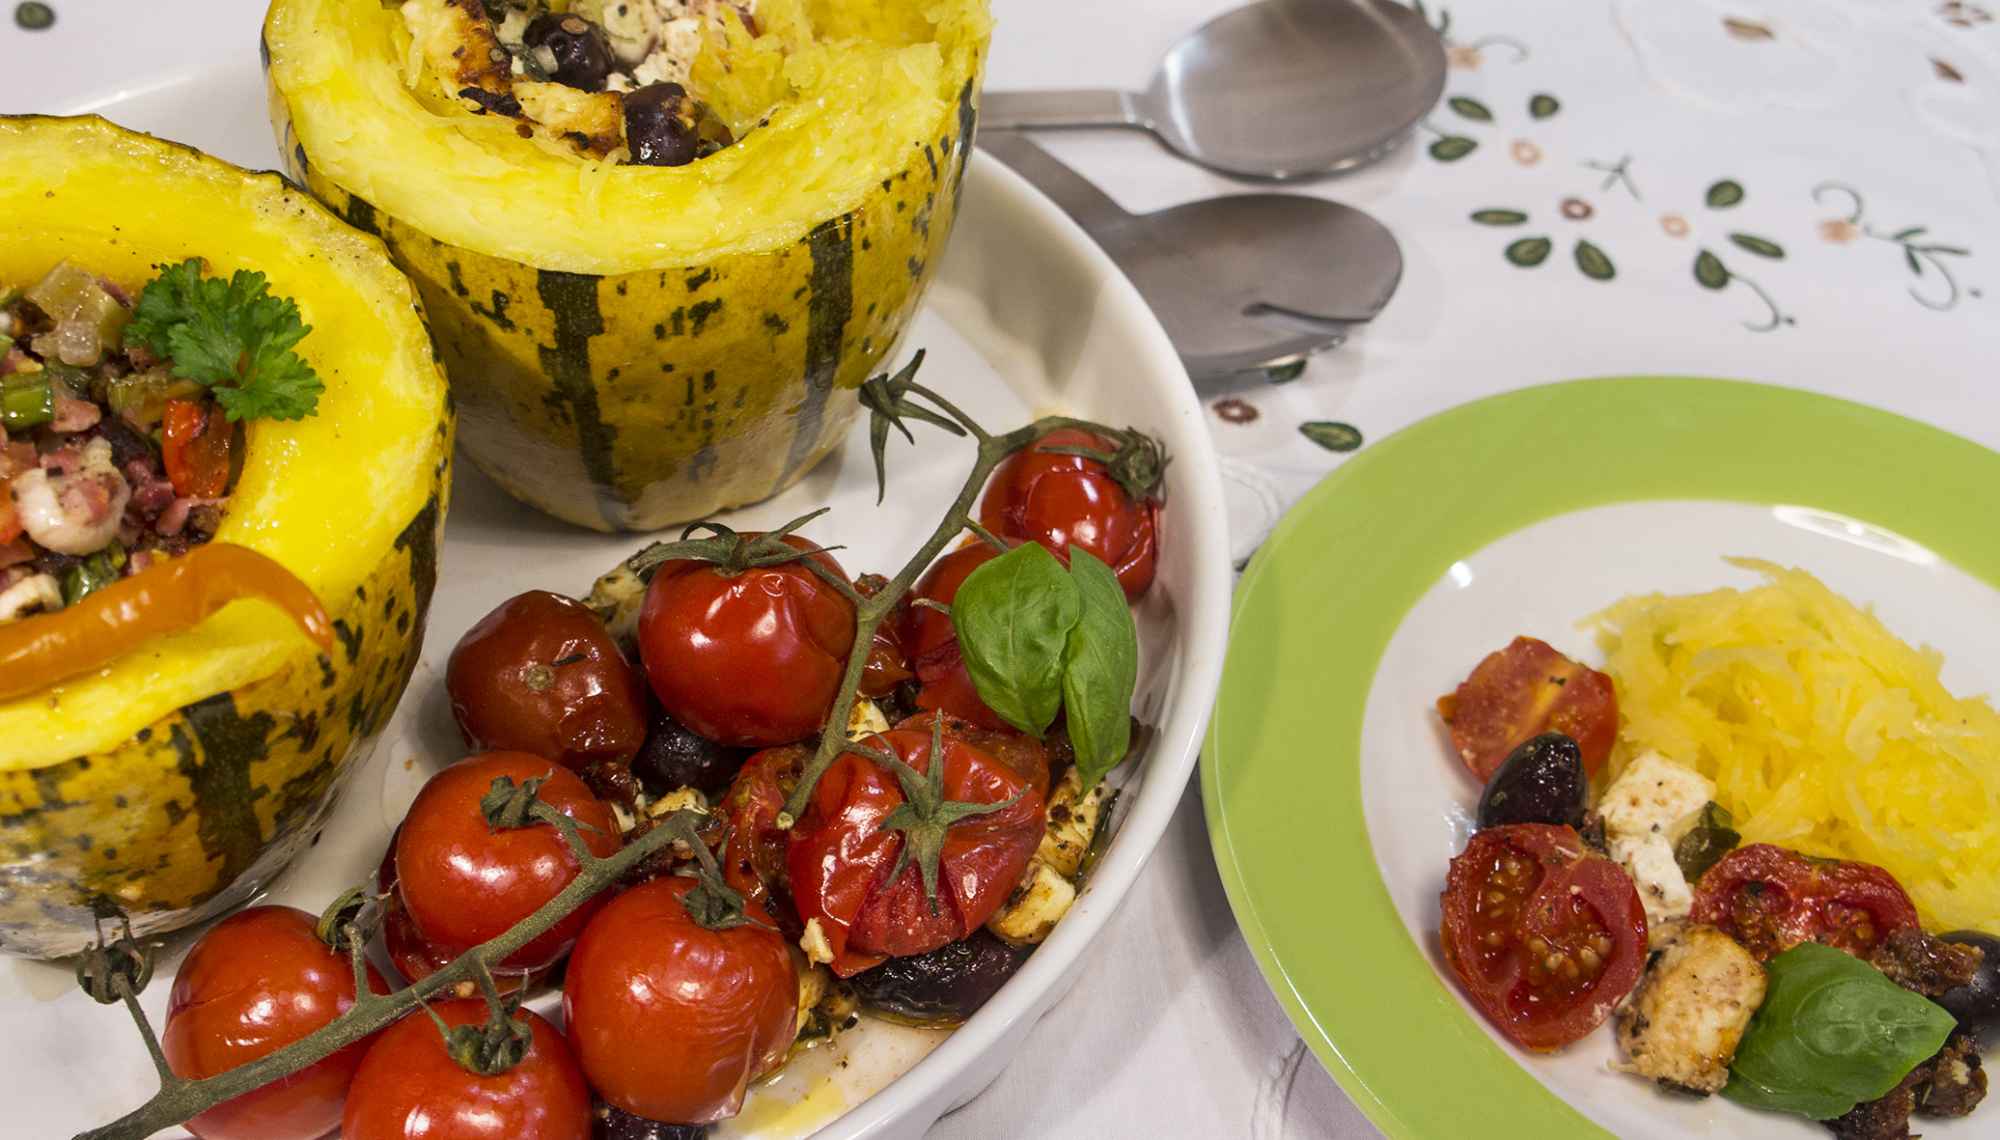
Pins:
<point x="1822" y="730"/>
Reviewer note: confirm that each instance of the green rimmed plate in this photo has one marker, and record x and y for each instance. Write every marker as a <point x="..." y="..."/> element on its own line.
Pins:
<point x="1333" y="801"/>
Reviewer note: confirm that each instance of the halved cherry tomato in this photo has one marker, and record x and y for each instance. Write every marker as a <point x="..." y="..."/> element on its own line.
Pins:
<point x="410" y="1088"/>
<point x="754" y="862"/>
<point x="1059" y="500"/>
<point x="1771" y="899"/>
<point x="1523" y="691"/>
<point x="840" y="856"/>
<point x="464" y="882"/>
<point x="1544" y="935"/>
<point x="671" y="1020"/>
<point x="195" y="448"/>
<point x="927" y="637"/>
<point x="541" y="674"/>
<point x="258" y="981"/>
<point x="751" y="658"/>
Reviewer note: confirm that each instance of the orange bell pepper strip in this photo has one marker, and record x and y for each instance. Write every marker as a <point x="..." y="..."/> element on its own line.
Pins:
<point x="168" y="597"/>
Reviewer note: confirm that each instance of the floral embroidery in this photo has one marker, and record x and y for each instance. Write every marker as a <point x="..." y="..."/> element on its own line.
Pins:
<point x="1576" y="209"/>
<point x="1961" y="15"/>
<point x="1468" y="56"/>
<point x="1236" y="411"/>
<point x="1526" y="153"/>
<point x="1749" y="31"/>
<point x="1926" y="259"/>
<point x="1674" y="225"/>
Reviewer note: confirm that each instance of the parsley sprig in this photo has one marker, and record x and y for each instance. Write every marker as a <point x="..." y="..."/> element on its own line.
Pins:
<point x="230" y="335"/>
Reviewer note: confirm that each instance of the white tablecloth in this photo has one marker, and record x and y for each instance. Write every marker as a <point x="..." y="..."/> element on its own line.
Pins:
<point x="1862" y="138"/>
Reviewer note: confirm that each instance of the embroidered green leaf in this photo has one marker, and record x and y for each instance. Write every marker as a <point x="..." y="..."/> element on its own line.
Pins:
<point x="1725" y="194"/>
<point x="1331" y="434"/>
<point x="1499" y="217"/>
<point x="1451" y="148"/>
<point x="1470" y="108"/>
<point x="1284" y="373"/>
<point x="1543" y="105"/>
<point x="1906" y="235"/>
<point x="1593" y="262"/>
<point x="1953" y="250"/>
<point x="1709" y="270"/>
<point x="1910" y="255"/>
<point x="1759" y="246"/>
<point x="1529" y="252"/>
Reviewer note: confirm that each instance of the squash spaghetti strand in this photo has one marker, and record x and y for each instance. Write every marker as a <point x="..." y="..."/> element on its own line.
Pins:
<point x="1822" y="730"/>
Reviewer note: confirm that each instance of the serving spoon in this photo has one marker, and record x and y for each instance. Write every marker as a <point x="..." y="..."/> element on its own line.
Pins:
<point x="1279" y="89"/>
<point x="1241" y="282"/>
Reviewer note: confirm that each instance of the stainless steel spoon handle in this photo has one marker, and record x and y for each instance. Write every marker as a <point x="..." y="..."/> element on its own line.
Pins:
<point x="1079" y="197"/>
<point x="1021" y="110"/>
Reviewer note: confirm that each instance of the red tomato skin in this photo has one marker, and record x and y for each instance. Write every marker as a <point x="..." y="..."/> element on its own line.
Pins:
<point x="715" y="647"/>
<point x="1522" y="691"/>
<point x="839" y="857"/>
<point x="672" y="1021"/>
<point x="591" y="708"/>
<point x="754" y="861"/>
<point x="1771" y="899"/>
<point x="1062" y="501"/>
<point x="932" y="645"/>
<point x="464" y="883"/>
<point x="1570" y="881"/>
<point x="195" y="449"/>
<point x="409" y="1088"/>
<point x="256" y="982"/>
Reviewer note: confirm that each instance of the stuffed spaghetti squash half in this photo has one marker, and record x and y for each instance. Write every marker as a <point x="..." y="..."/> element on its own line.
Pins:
<point x="172" y="782"/>
<point x="660" y="241"/>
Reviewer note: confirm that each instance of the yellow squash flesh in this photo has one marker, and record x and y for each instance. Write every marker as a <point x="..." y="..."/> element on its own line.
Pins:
<point x="172" y="784"/>
<point x="633" y="346"/>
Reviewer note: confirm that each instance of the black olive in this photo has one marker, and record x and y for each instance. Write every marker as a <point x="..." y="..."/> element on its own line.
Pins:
<point x="583" y="55"/>
<point x="945" y="986"/>
<point x="674" y="756"/>
<point x="614" y="1123"/>
<point x="1541" y="781"/>
<point x="1977" y="1004"/>
<point x="1713" y="836"/>
<point x="661" y="125"/>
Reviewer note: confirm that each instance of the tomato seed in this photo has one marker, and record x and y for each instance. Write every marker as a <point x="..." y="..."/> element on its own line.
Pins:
<point x="1538" y="945"/>
<point x="1569" y="968"/>
<point x="1552" y="961"/>
<point x="1495" y="897"/>
<point x="1493" y="938"/>
<point x="1601" y="944"/>
<point x="1590" y="958"/>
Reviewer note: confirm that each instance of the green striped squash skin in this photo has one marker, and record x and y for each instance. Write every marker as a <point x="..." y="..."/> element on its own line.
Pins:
<point x="197" y="811"/>
<point x="636" y="400"/>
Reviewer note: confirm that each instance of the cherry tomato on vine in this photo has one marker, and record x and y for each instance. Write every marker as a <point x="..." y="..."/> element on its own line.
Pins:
<point x="754" y="862"/>
<point x="1063" y="500"/>
<point x="840" y="855"/>
<point x="541" y="674"/>
<point x="927" y="637"/>
<point x="410" y="1088"/>
<point x="1544" y="935"/>
<point x="672" y="1020"/>
<point x="464" y="882"/>
<point x="1771" y="899"/>
<point x="258" y="981"/>
<point x="751" y="657"/>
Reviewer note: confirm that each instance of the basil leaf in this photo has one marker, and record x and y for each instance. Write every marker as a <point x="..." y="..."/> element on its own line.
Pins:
<point x="1832" y="1033"/>
<point x="1713" y="836"/>
<point x="1100" y="669"/>
<point x="1013" y="616"/>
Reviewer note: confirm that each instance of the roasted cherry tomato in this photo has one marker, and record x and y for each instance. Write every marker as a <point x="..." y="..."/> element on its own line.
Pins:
<point x="672" y="1020"/>
<point x="1544" y="936"/>
<point x="887" y="665"/>
<point x="258" y="981"/>
<point x="195" y="449"/>
<point x="927" y="637"/>
<point x="1523" y="691"/>
<point x="754" y="862"/>
<point x="542" y="675"/>
<point x="1060" y="501"/>
<point x="840" y="856"/>
<point x="465" y="882"/>
<point x="751" y="658"/>
<point x="410" y="1088"/>
<point x="1771" y="899"/>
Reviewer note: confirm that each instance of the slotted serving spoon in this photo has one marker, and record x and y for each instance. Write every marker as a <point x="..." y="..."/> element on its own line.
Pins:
<point x="1279" y="89"/>
<point x="1241" y="282"/>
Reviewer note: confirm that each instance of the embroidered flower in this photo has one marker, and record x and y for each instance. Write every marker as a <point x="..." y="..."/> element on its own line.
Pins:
<point x="1675" y="225"/>
<point x="1235" y="411"/>
<point x="1576" y="209"/>
<point x="1839" y="231"/>
<point x="1525" y="152"/>
<point x="1464" y="57"/>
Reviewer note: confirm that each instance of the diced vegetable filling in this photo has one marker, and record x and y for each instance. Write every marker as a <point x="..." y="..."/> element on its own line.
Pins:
<point x="607" y="77"/>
